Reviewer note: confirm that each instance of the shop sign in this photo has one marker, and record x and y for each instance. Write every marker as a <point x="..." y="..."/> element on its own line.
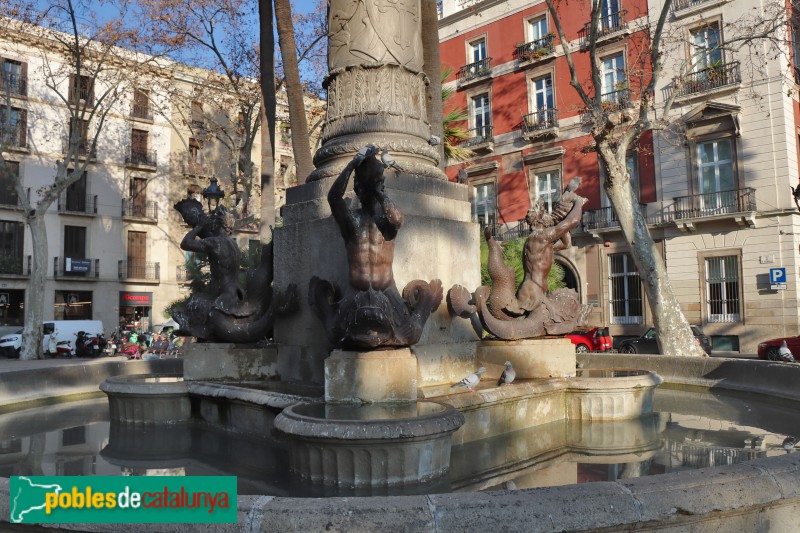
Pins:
<point x="135" y="299"/>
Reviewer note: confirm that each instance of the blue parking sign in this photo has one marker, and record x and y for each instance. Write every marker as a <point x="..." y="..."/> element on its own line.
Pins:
<point x="777" y="275"/>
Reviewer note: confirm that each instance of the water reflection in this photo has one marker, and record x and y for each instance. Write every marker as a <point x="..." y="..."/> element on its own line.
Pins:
<point x="689" y="430"/>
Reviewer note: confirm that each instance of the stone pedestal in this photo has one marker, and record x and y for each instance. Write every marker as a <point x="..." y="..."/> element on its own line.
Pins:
<point x="371" y="377"/>
<point x="225" y="361"/>
<point x="147" y="399"/>
<point x="531" y="358"/>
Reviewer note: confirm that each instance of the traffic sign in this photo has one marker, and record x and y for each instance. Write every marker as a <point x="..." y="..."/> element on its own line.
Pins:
<point x="777" y="275"/>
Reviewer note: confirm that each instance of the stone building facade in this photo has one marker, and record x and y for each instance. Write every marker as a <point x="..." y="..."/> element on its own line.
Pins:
<point x="716" y="190"/>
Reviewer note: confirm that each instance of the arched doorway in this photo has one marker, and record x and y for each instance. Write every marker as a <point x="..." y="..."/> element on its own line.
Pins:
<point x="570" y="277"/>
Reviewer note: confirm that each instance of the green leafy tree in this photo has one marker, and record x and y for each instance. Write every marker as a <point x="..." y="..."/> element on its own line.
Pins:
<point x="453" y="132"/>
<point x="512" y="256"/>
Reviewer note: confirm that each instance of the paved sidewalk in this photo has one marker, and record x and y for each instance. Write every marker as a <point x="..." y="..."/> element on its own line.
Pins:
<point x="9" y="365"/>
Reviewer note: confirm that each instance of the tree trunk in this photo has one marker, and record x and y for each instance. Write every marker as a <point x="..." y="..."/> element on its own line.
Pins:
<point x="267" y="64"/>
<point x="432" y="67"/>
<point x="672" y="329"/>
<point x="34" y="295"/>
<point x="301" y="145"/>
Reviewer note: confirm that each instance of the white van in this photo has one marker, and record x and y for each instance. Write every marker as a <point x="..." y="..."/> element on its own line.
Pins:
<point x="66" y="330"/>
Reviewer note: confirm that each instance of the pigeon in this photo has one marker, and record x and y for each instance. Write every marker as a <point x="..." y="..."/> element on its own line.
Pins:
<point x="788" y="443"/>
<point x="471" y="380"/>
<point x="508" y="375"/>
<point x="388" y="161"/>
<point x="785" y="354"/>
<point x="434" y="140"/>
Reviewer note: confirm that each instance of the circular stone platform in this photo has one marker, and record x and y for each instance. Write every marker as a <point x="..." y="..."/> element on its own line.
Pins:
<point x="378" y="445"/>
<point x="611" y="394"/>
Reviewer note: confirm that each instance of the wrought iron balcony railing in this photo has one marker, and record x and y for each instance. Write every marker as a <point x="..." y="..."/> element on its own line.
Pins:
<point x="680" y="5"/>
<point x="541" y="120"/>
<point x="82" y="95"/>
<point x="84" y="204"/>
<point x="474" y="71"/>
<point x="13" y="136"/>
<point x="12" y="265"/>
<point x="715" y="203"/>
<point x="708" y="79"/>
<point x="194" y="167"/>
<point x="606" y="25"/>
<point x="620" y="99"/>
<point x="181" y="273"/>
<point x="143" y="111"/>
<point x="537" y="49"/>
<point x="10" y="198"/>
<point x="503" y="232"/>
<point x="16" y="85"/>
<point x="145" y="158"/>
<point x="138" y="209"/>
<point x="139" y="270"/>
<point x="477" y="137"/>
<point x="85" y="148"/>
<point x="604" y="218"/>
<point x="72" y="267"/>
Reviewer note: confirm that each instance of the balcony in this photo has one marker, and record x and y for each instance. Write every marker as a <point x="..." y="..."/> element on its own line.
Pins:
<point x="683" y="8"/>
<point x="15" y="84"/>
<point x="182" y="273"/>
<point x="535" y="51"/>
<point x="142" y="112"/>
<point x="140" y="211"/>
<point x="77" y="204"/>
<point x="541" y="123"/>
<point x="9" y="199"/>
<point x="82" y="96"/>
<point x="708" y="79"/>
<point x="12" y="266"/>
<point x="14" y="137"/>
<point x="474" y="72"/>
<point x="479" y="139"/>
<point x="737" y="204"/>
<point x="141" y="158"/>
<point x="195" y="168"/>
<point x="609" y="102"/>
<point x="139" y="271"/>
<point x="84" y="147"/>
<point x="76" y="268"/>
<point x="503" y="232"/>
<point x="609" y="27"/>
<point x="597" y="220"/>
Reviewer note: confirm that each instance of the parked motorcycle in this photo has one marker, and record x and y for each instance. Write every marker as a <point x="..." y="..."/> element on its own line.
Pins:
<point x="62" y="349"/>
<point x="83" y="345"/>
<point x="98" y="344"/>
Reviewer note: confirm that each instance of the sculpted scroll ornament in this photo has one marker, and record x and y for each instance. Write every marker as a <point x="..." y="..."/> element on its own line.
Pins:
<point x="530" y="311"/>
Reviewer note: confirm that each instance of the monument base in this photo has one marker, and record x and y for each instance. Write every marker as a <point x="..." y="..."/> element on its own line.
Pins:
<point x="531" y="358"/>
<point x="371" y="377"/>
<point x="225" y="361"/>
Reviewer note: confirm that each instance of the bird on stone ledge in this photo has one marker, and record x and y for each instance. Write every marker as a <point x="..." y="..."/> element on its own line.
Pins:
<point x="388" y="161"/>
<point x="470" y="381"/>
<point x="508" y="375"/>
<point x="788" y="443"/>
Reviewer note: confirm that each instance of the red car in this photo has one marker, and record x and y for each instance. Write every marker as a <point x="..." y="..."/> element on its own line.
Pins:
<point x="593" y="340"/>
<point x="769" y="349"/>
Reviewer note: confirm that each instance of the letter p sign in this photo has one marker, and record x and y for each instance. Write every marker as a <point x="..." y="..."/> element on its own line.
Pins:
<point x="777" y="275"/>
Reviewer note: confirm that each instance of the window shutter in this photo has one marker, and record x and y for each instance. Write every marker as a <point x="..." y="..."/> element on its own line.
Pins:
<point x="72" y="88"/>
<point x="23" y="128"/>
<point x="23" y="82"/>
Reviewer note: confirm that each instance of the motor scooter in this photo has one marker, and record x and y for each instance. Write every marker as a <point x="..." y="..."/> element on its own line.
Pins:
<point x="83" y="345"/>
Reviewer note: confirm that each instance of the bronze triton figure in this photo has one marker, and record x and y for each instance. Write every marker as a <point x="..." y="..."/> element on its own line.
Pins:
<point x="226" y="312"/>
<point x="511" y="313"/>
<point x="371" y="313"/>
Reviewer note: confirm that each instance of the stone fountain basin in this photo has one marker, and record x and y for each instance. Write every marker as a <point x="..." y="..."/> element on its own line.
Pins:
<point x="371" y="445"/>
<point x="148" y="399"/>
<point x="610" y="394"/>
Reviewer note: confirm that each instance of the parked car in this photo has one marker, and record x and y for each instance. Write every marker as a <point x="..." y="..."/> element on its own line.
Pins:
<point x="648" y="343"/>
<point x="769" y="349"/>
<point x="593" y="340"/>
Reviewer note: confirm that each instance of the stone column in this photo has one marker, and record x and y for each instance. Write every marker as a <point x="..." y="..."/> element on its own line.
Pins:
<point x="376" y="87"/>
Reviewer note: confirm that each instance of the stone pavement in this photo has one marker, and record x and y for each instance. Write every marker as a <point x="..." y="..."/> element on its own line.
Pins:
<point x="10" y="365"/>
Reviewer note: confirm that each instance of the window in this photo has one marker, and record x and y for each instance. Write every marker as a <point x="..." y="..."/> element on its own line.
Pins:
<point x="613" y="80"/>
<point x="139" y="155"/>
<point x="537" y="28"/>
<point x="483" y="204"/>
<point x="548" y="188"/>
<point x="609" y="15"/>
<point x="76" y="199"/>
<point x="722" y="289"/>
<point x="8" y="192"/>
<point x="13" y="127"/>
<point x="73" y="305"/>
<point x="481" y="115"/>
<point x="75" y="242"/>
<point x="477" y="50"/>
<point x="706" y="52"/>
<point x="13" y="77"/>
<point x="195" y="156"/>
<point x="81" y="90"/>
<point x="79" y="129"/>
<point x="716" y="175"/>
<point x="625" y="290"/>
<point x="542" y="113"/>
<point x="137" y="255"/>
<point x="141" y="104"/>
<point x="137" y="206"/>
<point x="11" y="239"/>
<point x="198" y="120"/>
<point x="632" y="163"/>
